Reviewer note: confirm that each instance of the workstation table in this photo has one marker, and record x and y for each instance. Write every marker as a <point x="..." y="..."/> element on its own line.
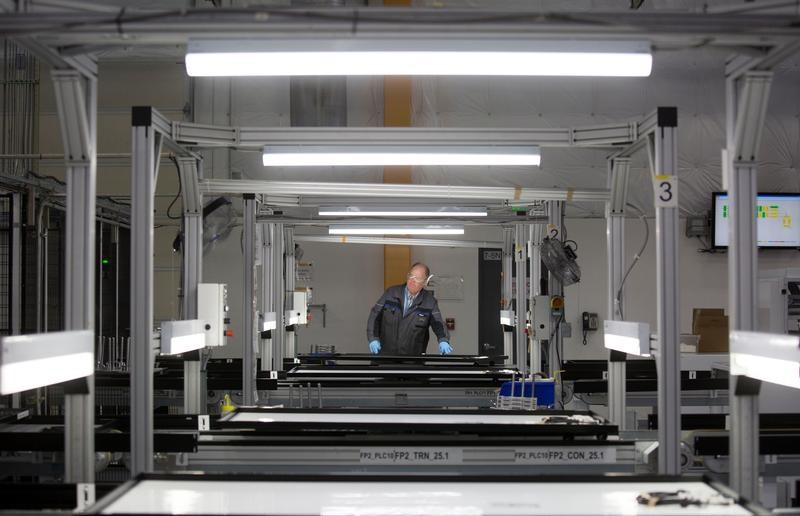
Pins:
<point x="419" y="495"/>
<point x="362" y="380"/>
<point x="411" y="441"/>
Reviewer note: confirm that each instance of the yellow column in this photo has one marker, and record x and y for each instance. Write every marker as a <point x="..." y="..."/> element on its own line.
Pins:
<point x="396" y="113"/>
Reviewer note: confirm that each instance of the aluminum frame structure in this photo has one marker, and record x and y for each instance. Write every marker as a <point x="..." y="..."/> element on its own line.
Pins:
<point x="555" y="219"/>
<point x="659" y="138"/>
<point x="190" y="168"/>
<point x="249" y="307"/>
<point x="618" y="173"/>
<point x="76" y="99"/>
<point x="150" y="131"/>
<point x="506" y="289"/>
<point x="746" y="105"/>
<point x="520" y="359"/>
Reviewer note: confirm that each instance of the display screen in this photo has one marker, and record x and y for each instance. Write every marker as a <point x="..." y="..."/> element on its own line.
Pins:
<point x="777" y="220"/>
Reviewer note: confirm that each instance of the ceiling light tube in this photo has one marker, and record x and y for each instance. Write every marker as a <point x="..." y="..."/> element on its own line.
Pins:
<point x="402" y="211"/>
<point x="417" y="56"/>
<point x="400" y="155"/>
<point x="395" y="229"/>
<point x="31" y="361"/>
<point x="773" y="358"/>
<point x="628" y="337"/>
<point x="182" y="336"/>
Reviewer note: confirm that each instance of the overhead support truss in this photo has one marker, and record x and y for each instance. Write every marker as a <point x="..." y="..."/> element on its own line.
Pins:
<point x="82" y="31"/>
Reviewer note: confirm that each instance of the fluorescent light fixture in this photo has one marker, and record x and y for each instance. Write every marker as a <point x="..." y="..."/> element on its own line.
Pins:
<point x="395" y="229"/>
<point x="182" y="336"/>
<point x="417" y="56"/>
<point x="31" y="361"/>
<point x="507" y="318"/>
<point x="769" y="357"/>
<point x="400" y="211"/>
<point x="628" y="337"/>
<point x="268" y="321"/>
<point x="399" y="155"/>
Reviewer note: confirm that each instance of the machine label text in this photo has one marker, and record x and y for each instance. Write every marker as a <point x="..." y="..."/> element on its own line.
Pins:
<point x="566" y="455"/>
<point x="420" y="455"/>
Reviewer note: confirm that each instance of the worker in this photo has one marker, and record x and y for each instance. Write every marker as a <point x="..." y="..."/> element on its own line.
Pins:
<point x="398" y="323"/>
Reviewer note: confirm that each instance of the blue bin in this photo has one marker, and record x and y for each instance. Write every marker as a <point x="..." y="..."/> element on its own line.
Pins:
<point x="543" y="390"/>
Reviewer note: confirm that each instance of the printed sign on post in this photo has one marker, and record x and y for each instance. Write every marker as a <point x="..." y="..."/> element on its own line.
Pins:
<point x="666" y="191"/>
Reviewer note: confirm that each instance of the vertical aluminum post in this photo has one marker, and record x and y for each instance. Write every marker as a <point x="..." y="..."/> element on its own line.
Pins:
<point x="278" y="296"/>
<point x="745" y="120"/>
<point x="521" y="298"/>
<point x="265" y="293"/>
<point x="535" y="232"/>
<point x="189" y="169"/>
<point x="618" y="172"/>
<point x="508" y="256"/>
<point x="145" y="153"/>
<point x="663" y="155"/>
<point x="76" y="99"/>
<point x="555" y="219"/>
<point x="290" y="342"/>
<point x="249" y="300"/>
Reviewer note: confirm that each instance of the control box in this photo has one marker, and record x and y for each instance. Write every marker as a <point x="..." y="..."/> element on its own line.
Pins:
<point x="298" y="314"/>
<point x="212" y="309"/>
<point x="541" y="317"/>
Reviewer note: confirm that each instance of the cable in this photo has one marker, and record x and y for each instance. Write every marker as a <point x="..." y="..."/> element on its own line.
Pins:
<point x="180" y="188"/>
<point x="635" y="258"/>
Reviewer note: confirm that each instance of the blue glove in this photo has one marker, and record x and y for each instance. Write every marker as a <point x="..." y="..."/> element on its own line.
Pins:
<point x="445" y="348"/>
<point x="375" y="347"/>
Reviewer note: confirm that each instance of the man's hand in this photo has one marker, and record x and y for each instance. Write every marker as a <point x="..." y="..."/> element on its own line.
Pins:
<point x="375" y="347"/>
<point x="445" y="348"/>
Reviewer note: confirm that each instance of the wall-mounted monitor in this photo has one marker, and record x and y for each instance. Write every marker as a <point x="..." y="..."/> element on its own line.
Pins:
<point x="777" y="220"/>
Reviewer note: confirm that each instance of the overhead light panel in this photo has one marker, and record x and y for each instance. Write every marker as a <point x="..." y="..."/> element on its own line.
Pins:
<point x="37" y="360"/>
<point x="628" y="337"/>
<point x="355" y="155"/>
<point x="417" y="56"/>
<point x="182" y="336"/>
<point x="401" y="211"/>
<point x="395" y="229"/>
<point x="769" y="357"/>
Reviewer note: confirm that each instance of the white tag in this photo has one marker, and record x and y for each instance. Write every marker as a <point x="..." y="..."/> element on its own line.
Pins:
<point x="405" y="455"/>
<point x="203" y="422"/>
<point x="23" y="414"/>
<point x="605" y="375"/>
<point x="693" y="375"/>
<point x="666" y="191"/>
<point x="566" y="455"/>
<point x="273" y="375"/>
<point x="85" y="496"/>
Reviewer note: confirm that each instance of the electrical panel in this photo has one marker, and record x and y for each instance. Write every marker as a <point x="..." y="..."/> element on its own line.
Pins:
<point x="540" y="322"/>
<point x="299" y="311"/>
<point x="212" y="309"/>
<point x="779" y="301"/>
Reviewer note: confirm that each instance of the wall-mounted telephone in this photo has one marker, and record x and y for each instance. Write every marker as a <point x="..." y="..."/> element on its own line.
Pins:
<point x="588" y="323"/>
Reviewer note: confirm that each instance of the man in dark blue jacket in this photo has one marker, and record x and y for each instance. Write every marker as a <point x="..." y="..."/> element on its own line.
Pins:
<point x="398" y="323"/>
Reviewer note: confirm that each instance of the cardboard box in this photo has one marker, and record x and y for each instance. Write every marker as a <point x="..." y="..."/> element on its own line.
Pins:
<point x="711" y="325"/>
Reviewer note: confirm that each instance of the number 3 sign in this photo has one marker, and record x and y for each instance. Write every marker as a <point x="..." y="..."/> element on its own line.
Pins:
<point x="666" y="190"/>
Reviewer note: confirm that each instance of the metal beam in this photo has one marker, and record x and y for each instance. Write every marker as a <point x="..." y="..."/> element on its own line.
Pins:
<point x="79" y="30"/>
<point x="290" y="337"/>
<point x="663" y="153"/>
<point x="746" y="103"/>
<point x="213" y="136"/>
<point x="249" y="318"/>
<point x="423" y="242"/>
<point x="555" y="215"/>
<point x="521" y="298"/>
<point x="265" y="294"/>
<point x="618" y="173"/>
<point x="507" y="263"/>
<point x="536" y="233"/>
<point x="278" y="293"/>
<point x="145" y="148"/>
<point x="189" y="169"/>
<point x="76" y="99"/>
<point x="517" y="195"/>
